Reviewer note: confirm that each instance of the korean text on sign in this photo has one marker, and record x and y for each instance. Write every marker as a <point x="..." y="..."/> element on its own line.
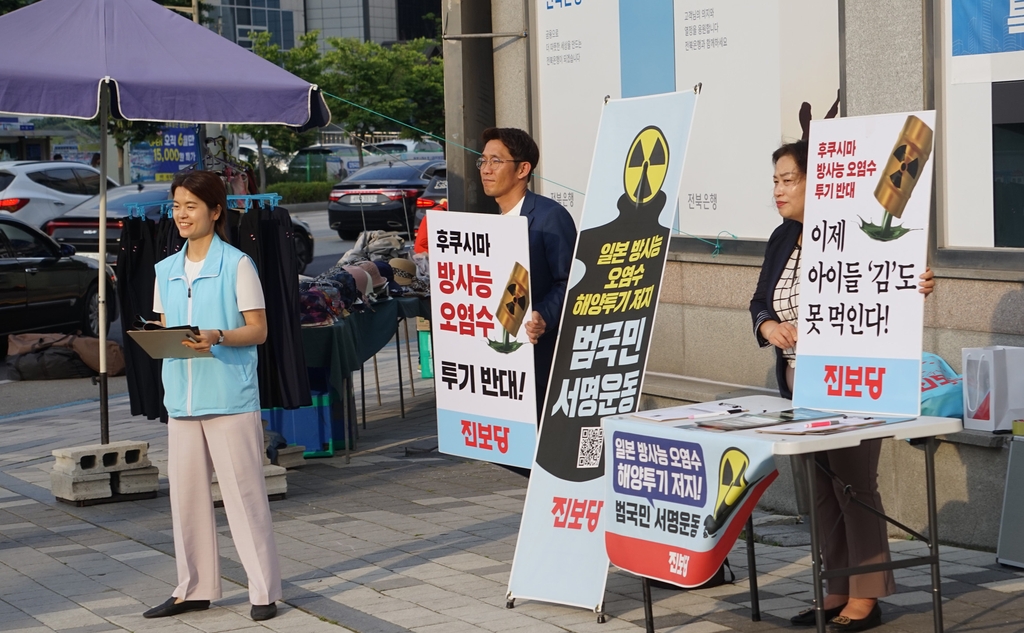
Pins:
<point x="659" y="468"/>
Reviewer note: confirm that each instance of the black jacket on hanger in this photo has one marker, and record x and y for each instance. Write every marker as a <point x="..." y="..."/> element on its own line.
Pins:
<point x="266" y="236"/>
<point x="135" y="279"/>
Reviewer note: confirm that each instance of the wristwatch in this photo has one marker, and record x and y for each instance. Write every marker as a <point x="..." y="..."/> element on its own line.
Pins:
<point x="221" y="339"/>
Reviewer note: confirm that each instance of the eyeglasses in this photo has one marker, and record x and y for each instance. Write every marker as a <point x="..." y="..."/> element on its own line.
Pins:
<point x="494" y="162"/>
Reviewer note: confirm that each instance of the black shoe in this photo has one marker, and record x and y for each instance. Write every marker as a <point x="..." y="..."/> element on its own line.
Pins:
<point x="261" y="612"/>
<point x="170" y="607"/>
<point x="843" y="624"/>
<point x="806" y="617"/>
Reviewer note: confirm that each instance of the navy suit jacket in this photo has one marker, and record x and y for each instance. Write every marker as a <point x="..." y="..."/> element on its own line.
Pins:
<point x="552" y="242"/>
<point x="780" y="247"/>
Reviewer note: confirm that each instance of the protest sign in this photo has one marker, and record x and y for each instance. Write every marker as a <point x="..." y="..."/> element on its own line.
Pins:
<point x="865" y="243"/>
<point x="603" y="341"/>
<point x="483" y="376"/>
<point x="676" y="506"/>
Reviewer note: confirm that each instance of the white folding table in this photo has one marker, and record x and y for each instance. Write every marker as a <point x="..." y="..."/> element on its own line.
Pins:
<point x="805" y="446"/>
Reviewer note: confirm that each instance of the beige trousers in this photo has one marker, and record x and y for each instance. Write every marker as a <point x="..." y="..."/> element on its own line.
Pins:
<point x="233" y="445"/>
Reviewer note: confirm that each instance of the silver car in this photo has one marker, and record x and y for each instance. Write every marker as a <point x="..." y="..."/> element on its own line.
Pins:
<point x="38" y="191"/>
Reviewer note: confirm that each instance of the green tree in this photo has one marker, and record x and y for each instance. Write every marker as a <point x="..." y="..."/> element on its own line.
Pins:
<point x="303" y="61"/>
<point x="6" y="6"/>
<point x="399" y="82"/>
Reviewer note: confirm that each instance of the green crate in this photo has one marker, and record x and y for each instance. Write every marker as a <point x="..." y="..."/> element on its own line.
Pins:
<point x="426" y="355"/>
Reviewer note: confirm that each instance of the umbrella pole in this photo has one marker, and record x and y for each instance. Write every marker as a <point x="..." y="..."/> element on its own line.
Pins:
<point x="102" y="287"/>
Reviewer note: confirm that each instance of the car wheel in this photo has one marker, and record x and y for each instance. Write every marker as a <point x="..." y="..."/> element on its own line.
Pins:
<point x="348" y="236"/>
<point x="303" y="252"/>
<point x="91" y="317"/>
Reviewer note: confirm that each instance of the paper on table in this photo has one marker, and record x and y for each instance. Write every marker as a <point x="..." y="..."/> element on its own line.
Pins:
<point x="757" y="420"/>
<point x="691" y="412"/>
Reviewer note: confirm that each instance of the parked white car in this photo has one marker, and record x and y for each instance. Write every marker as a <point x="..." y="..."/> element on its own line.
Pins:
<point x="38" y="191"/>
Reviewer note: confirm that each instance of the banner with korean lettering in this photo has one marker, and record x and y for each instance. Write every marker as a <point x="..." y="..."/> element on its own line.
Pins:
<point x="173" y="149"/>
<point x="865" y="244"/>
<point x="677" y="501"/>
<point x="602" y="347"/>
<point x="483" y="362"/>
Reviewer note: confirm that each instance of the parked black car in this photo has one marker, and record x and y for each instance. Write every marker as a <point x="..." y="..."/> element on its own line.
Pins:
<point x="435" y="196"/>
<point x="45" y="287"/>
<point x="380" y="197"/>
<point x="80" y="226"/>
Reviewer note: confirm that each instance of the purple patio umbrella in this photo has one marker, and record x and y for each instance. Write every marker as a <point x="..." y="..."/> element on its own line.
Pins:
<point x="136" y="60"/>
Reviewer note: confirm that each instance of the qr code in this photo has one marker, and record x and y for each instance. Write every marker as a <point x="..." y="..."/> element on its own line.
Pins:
<point x="591" y="447"/>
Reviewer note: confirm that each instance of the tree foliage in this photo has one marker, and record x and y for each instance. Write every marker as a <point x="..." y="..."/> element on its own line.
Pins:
<point x="400" y="82"/>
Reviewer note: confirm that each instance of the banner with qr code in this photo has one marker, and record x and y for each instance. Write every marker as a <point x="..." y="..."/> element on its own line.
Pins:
<point x="865" y="245"/>
<point x="677" y="500"/>
<point x="603" y="341"/>
<point x="483" y="362"/>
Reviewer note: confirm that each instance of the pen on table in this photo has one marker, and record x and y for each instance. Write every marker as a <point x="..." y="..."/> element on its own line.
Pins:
<point x="821" y="424"/>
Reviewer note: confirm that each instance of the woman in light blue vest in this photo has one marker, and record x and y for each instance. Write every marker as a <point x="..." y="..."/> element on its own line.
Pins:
<point x="214" y="405"/>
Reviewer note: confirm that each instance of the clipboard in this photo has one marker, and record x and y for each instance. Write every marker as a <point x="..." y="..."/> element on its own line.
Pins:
<point x="167" y="342"/>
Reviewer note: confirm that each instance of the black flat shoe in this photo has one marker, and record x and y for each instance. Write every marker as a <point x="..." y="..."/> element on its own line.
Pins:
<point x="170" y="607"/>
<point x="843" y="624"/>
<point x="806" y="617"/>
<point x="261" y="612"/>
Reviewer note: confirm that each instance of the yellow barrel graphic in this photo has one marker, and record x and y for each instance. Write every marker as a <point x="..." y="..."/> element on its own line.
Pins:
<point x="907" y="161"/>
<point x="514" y="300"/>
<point x="732" y="486"/>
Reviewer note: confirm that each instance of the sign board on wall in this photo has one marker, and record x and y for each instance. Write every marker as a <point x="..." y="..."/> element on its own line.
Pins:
<point x="596" y="48"/>
<point x="483" y="364"/>
<point x="865" y="243"/>
<point x="174" y="149"/>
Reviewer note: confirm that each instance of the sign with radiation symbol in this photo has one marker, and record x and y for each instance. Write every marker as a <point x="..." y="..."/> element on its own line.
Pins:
<point x="514" y="300"/>
<point x="732" y="484"/>
<point x="646" y="165"/>
<point x="908" y="158"/>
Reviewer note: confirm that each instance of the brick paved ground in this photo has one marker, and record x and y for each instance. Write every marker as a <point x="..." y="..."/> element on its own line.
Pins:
<point x="387" y="544"/>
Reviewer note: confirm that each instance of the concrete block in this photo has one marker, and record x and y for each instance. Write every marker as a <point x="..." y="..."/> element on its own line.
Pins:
<point x="102" y="458"/>
<point x="276" y="479"/>
<point x="291" y="456"/>
<point x="138" y="480"/>
<point x="80" y="487"/>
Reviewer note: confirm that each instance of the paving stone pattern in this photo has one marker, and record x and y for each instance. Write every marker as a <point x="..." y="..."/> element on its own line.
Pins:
<point x="386" y="544"/>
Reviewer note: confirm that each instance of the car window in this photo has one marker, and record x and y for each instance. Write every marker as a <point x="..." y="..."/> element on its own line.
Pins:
<point x="345" y="151"/>
<point x="62" y="180"/>
<point x="90" y="181"/>
<point x="389" y="148"/>
<point x="394" y="172"/>
<point x="25" y="243"/>
<point x="5" y="180"/>
<point x="428" y="146"/>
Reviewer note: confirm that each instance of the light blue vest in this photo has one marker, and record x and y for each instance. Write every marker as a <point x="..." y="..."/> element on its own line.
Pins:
<point x="225" y="383"/>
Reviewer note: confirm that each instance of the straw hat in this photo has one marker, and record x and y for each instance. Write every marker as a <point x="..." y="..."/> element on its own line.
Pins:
<point x="405" y="270"/>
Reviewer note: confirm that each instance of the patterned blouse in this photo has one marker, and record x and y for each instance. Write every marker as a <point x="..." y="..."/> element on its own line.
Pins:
<point x="786" y="300"/>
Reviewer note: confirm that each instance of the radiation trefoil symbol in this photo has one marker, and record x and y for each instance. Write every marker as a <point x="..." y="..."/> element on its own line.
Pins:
<point x="732" y="486"/>
<point x="898" y="179"/>
<point x="512" y="309"/>
<point x="646" y="165"/>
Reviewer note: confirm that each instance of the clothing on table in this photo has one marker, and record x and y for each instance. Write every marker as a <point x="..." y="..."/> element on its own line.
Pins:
<point x="267" y="236"/>
<point x="786" y="299"/>
<point x="850" y="535"/>
<point x="233" y="446"/>
<point x="136" y="279"/>
<point x="552" y="235"/>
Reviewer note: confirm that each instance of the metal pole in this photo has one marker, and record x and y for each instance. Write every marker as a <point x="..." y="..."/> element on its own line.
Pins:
<point x="648" y="607"/>
<point x="755" y="599"/>
<point x="401" y="385"/>
<point x="933" y="532"/>
<point x="819" y="595"/>
<point x="408" y="357"/>
<point x="102" y="282"/>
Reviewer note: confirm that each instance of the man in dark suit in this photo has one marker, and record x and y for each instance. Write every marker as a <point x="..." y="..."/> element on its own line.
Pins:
<point x="508" y="161"/>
